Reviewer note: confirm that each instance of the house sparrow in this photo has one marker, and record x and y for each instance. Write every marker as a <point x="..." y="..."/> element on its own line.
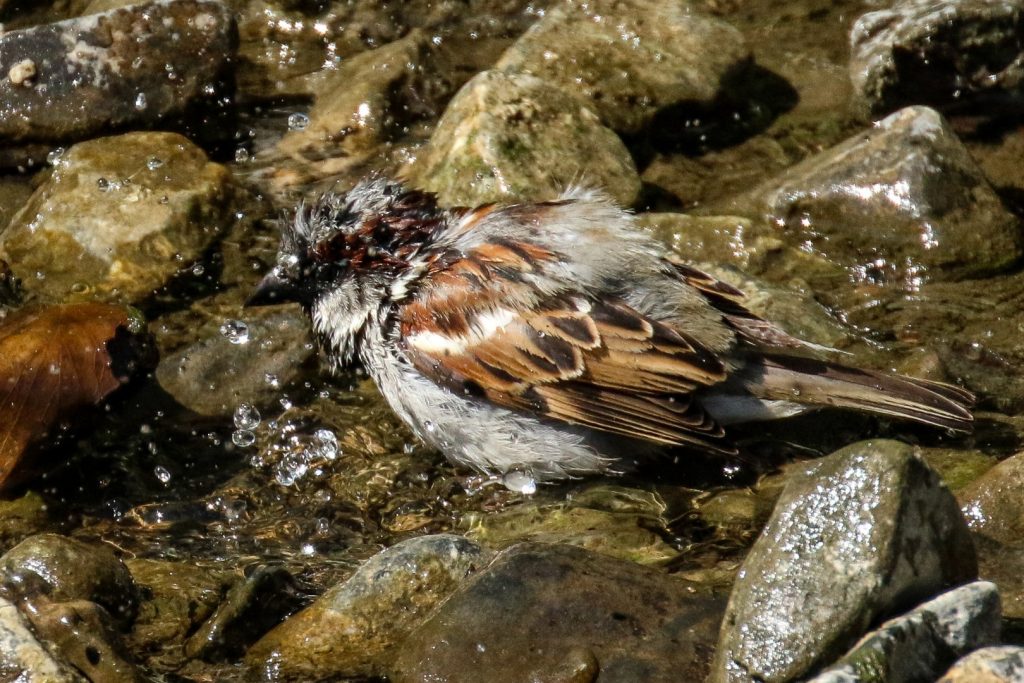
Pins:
<point x="554" y="339"/>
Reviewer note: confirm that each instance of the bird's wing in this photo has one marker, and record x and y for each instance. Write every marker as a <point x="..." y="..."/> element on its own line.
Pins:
<point x="490" y="323"/>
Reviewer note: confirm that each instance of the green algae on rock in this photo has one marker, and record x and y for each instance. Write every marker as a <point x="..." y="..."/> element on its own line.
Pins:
<point x="118" y="217"/>
<point x="507" y="137"/>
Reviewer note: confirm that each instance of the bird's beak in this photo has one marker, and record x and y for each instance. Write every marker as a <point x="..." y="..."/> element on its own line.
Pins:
<point x="273" y="289"/>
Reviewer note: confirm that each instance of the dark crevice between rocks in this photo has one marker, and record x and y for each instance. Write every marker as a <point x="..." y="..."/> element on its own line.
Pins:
<point x="751" y="97"/>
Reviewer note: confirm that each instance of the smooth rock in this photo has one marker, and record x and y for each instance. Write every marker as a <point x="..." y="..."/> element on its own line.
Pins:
<point x="857" y="535"/>
<point x="993" y="505"/>
<point x="81" y="632"/>
<point x="920" y="645"/>
<point x="14" y="193"/>
<point x="538" y="609"/>
<point x="135" y="65"/>
<point x="630" y="59"/>
<point x="369" y="99"/>
<point x="252" y="606"/>
<point x="938" y="52"/>
<point x="507" y="137"/>
<point x="52" y="568"/>
<point x="901" y="203"/>
<point x="118" y="217"/>
<point x="22" y="658"/>
<point x="229" y="364"/>
<point x="345" y="631"/>
<point x="996" y="664"/>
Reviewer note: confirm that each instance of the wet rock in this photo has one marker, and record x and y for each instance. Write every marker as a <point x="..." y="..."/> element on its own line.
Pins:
<point x="81" y="632"/>
<point x="345" y="632"/>
<point x="49" y="568"/>
<point x="993" y="505"/>
<point x="130" y="66"/>
<point x="858" y="534"/>
<point x="958" y="467"/>
<point x="507" y="137"/>
<point x="542" y="608"/>
<point x="610" y="520"/>
<point x="23" y="517"/>
<point x="14" y="193"/>
<point x="175" y="598"/>
<point x="630" y="59"/>
<point x="937" y="52"/>
<point x="254" y="605"/>
<point x="118" y="217"/>
<point x="368" y="99"/>
<point x="901" y="203"/>
<point x="919" y="645"/>
<point x="996" y="664"/>
<point x="22" y="657"/>
<point x="230" y="362"/>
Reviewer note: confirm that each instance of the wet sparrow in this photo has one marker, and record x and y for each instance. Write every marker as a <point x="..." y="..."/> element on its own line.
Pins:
<point x="554" y="338"/>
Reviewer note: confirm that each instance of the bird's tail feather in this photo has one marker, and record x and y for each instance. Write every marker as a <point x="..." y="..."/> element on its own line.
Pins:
<point x="816" y="382"/>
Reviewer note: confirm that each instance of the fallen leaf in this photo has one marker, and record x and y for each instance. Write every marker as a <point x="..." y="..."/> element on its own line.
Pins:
<point x="53" y="362"/>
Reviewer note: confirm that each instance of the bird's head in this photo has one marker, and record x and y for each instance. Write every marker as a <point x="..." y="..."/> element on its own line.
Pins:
<point x="347" y="257"/>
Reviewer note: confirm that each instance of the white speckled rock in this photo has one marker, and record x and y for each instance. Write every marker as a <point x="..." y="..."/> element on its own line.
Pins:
<point x="22" y="657"/>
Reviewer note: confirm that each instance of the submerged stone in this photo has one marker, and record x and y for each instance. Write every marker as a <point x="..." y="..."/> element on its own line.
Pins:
<point x="135" y="65"/>
<point x="938" y="52"/>
<point x="118" y="217"/>
<point x="630" y="59"/>
<point x="901" y="203"/>
<point x="507" y="137"/>
<point x="345" y="631"/>
<point x="539" y="609"/>
<point x="859" y="534"/>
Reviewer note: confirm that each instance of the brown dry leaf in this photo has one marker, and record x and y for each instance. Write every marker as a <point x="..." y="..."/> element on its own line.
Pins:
<point x="52" y="362"/>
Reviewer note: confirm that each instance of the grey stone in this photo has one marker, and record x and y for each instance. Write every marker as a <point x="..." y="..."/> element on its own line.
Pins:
<point x="919" y="645"/>
<point x="214" y="374"/>
<point x="901" y="203"/>
<point x="858" y="534"/>
<point x="23" y="658"/>
<point x="118" y="217"/>
<point x="996" y="664"/>
<point x="630" y="59"/>
<point x="128" y="66"/>
<point x="540" y="609"/>
<point x="507" y="137"/>
<point x="346" y="630"/>
<point x="937" y="52"/>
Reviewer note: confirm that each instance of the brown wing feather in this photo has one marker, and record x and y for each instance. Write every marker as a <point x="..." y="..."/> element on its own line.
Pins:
<point x="567" y="357"/>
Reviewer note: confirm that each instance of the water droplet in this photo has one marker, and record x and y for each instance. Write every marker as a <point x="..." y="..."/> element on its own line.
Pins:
<point x="325" y="444"/>
<point x="520" y="481"/>
<point x="241" y="155"/>
<point x="271" y="379"/>
<point x="154" y="163"/>
<point x="323" y="526"/>
<point x="243" y="438"/>
<point x="140" y="101"/>
<point x="247" y="416"/>
<point x="236" y="331"/>
<point x="162" y="473"/>
<point x="55" y="155"/>
<point x="298" y="121"/>
<point x="429" y="426"/>
<point x="103" y="184"/>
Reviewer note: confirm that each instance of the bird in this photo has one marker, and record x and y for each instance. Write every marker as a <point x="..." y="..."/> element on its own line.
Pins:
<point x="555" y="339"/>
